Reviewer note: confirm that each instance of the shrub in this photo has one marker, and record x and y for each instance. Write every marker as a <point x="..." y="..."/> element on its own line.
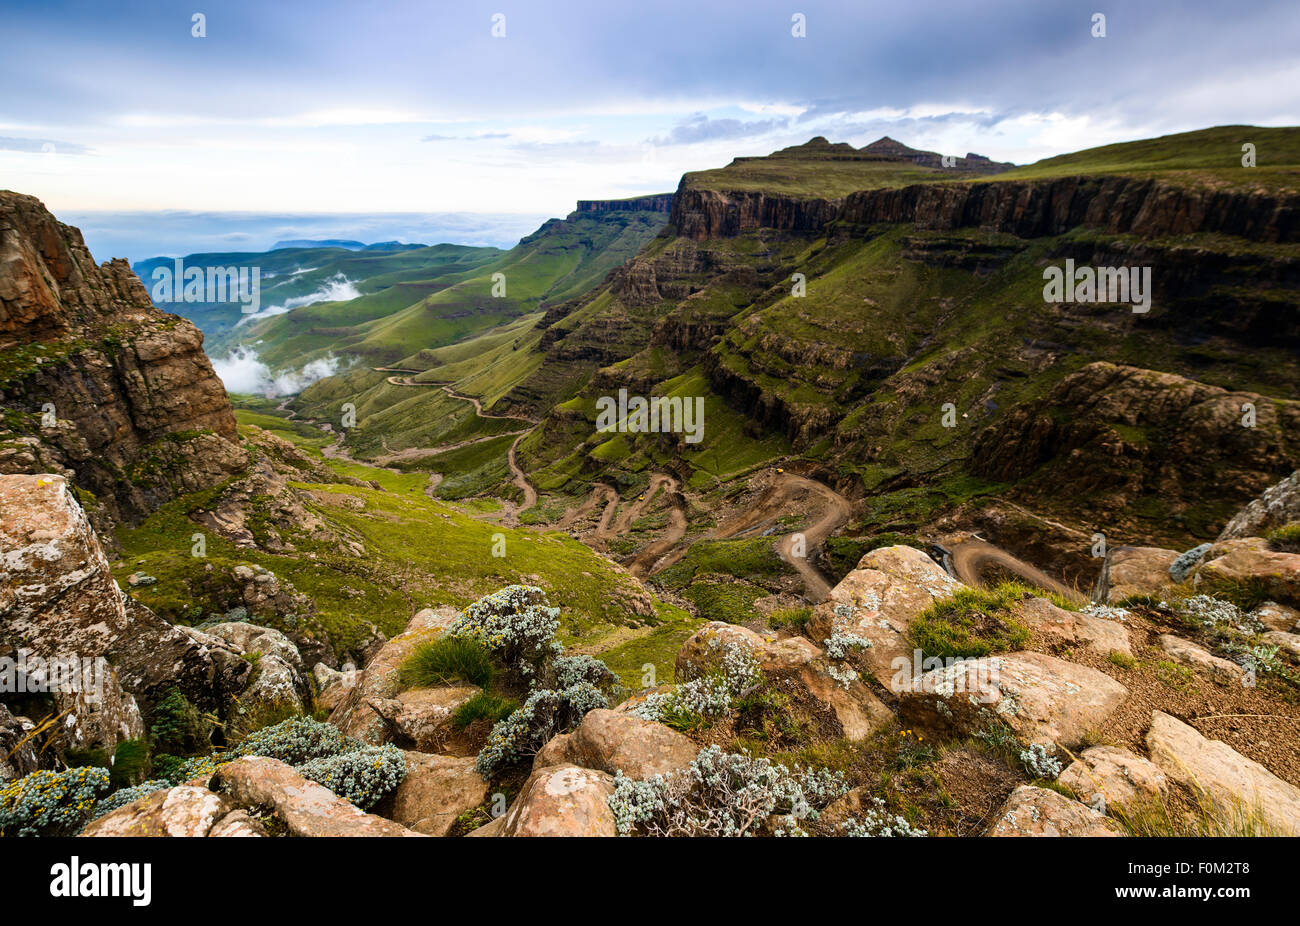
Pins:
<point x="692" y="704"/>
<point x="362" y="776"/>
<point x="876" y="822"/>
<point x="446" y="659"/>
<point x="178" y="726"/>
<point x="123" y="796"/>
<point x="1181" y="566"/>
<point x="47" y="803"/>
<point x="579" y="669"/>
<point x="545" y="714"/>
<point x="1040" y="763"/>
<point x="130" y="763"/>
<point x="722" y="794"/>
<point x="483" y="706"/>
<point x="971" y="622"/>
<point x="295" y="741"/>
<point x="517" y="624"/>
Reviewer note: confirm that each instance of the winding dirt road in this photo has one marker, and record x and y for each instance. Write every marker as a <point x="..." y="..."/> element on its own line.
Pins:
<point x="972" y="557"/>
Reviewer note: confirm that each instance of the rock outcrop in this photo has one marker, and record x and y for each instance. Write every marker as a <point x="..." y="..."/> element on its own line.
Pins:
<point x="1034" y="811"/>
<point x="60" y="598"/>
<point x="102" y="386"/>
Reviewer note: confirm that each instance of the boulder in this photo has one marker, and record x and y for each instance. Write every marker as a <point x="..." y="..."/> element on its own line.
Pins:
<point x="1276" y="616"/>
<point x="435" y="791"/>
<point x="612" y="742"/>
<point x="421" y="718"/>
<point x="1107" y="776"/>
<point x="18" y="756"/>
<point x="305" y="807"/>
<point x="1187" y="653"/>
<point x="878" y="601"/>
<point x="1074" y="628"/>
<point x="252" y="639"/>
<point x="378" y="681"/>
<point x="1137" y="571"/>
<point x="1239" y="561"/>
<point x="1278" y="505"/>
<point x="60" y="599"/>
<point x="1216" y="770"/>
<point x="832" y="682"/>
<point x="182" y="811"/>
<point x="562" y="800"/>
<point x="1041" y="698"/>
<point x="1033" y="811"/>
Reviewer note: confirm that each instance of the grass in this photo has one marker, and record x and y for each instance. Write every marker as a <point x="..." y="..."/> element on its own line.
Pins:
<point x="732" y="602"/>
<point x="793" y="619"/>
<point x="1208" y="817"/>
<point x="1285" y="539"/>
<point x="972" y="622"/>
<point x="444" y="660"/>
<point x="745" y="559"/>
<point x="483" y="706"/>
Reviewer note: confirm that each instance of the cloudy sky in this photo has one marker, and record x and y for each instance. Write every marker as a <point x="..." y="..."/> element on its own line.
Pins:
<point x="395" y="106"/>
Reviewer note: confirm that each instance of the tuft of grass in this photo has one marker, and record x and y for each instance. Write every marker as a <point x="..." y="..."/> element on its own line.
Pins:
<point x="1123" y="660"/>
<point x="1208" y="816"/>
<point x="483" y="706"/>
<point x="444" y="660"/>
<point x="1286" y="539"/>
<point x="793" y="619"/>
<point x="1247" y="593"/>
<point x="972" y="622"/>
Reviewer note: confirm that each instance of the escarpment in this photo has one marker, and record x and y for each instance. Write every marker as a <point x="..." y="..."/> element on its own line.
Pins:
<point x="95" y="381"/>
<point x="1027" y="209"/>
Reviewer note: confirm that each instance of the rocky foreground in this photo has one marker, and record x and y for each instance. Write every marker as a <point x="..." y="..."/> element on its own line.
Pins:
<point x="1109" y="720"/>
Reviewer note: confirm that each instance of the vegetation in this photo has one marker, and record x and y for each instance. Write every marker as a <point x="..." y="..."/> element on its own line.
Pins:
<point x="972" y="623"/>
<point x="449" y="658"/>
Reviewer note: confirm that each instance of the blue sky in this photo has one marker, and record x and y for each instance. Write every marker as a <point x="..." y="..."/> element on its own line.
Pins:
<point x="416" y="107"/>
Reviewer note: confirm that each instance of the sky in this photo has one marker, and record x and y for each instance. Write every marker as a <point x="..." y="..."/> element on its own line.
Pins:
<point x="417" y="107"/>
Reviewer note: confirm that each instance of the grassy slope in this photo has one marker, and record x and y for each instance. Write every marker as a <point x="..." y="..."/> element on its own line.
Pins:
<point x="420" y="553"/>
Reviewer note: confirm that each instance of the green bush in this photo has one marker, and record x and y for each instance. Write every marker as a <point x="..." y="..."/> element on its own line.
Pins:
<point x="972" y="622"/>
<point x="362" y="776"/>
<point x="444" y="660"/>
<point x="178" y="727"/>
<point x="47" y="803"/>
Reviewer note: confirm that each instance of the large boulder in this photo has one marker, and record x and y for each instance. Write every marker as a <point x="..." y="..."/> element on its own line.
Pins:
<point x="422" y="717"/>
<point x="1034" y="811"/>
<point x="59" y="604"/>
<point x="378" y="681"/>
<point x="612" y="742"/>
<point x="186" y="810"/>
<point x="837" y="685"/>
<point x="1137" y="571"/>
<point x="1074" y="628"/>
<point x="1108" y="776"/>
<point x="434" y="793"/>
<point x="1214" y="769"/>
<point x="878" y="601"/>
<point x="18" y="755"/>
<point x="61" y="599"/>
<point x="1245" y="562"/>
<point x="561" y="800"/>
<point x="1041" y="698"/>
<point x="305" y="807"/>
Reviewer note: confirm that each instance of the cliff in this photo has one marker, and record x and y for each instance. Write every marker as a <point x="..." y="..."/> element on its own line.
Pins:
<point x="1027" y="209"/>
<point x="97" y="383"/>
<point x="658" y="202"/>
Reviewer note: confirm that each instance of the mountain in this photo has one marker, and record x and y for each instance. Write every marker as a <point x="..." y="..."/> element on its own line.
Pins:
<point x="923" y="290"/>
<point x="98" y="383"/>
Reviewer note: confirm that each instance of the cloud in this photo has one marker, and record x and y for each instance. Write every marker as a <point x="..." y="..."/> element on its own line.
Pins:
<point x="337" y="288"/>
<point x="41" y="146"/>
<point x="700" y="128"/>
<point x="481" y="136"/>
<point x="242" y="371"/>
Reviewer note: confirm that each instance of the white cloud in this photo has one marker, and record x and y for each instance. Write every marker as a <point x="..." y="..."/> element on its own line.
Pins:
<point x="242" y="371"/>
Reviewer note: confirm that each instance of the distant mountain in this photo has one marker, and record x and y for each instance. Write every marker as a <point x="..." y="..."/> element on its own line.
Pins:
<point x="345" y="243"/>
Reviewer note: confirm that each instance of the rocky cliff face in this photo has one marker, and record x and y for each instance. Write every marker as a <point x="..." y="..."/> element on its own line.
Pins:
<point x="97" y="383"/>
<point x="1026" y="209"/>
<point x="658" y="202"/>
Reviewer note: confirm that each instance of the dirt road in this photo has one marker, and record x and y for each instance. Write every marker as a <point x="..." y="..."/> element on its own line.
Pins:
<point x="971" y="558"/>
